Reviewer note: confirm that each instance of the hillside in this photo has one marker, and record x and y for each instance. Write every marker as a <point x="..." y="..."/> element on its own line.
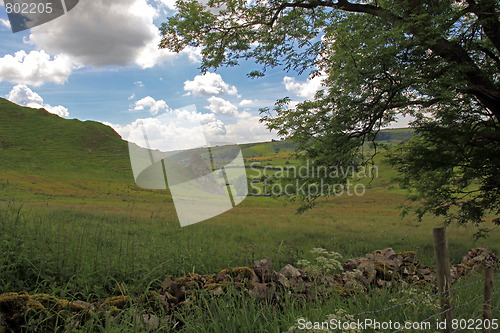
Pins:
<point x="36" y="141"/>
<point x="43" y="154"/>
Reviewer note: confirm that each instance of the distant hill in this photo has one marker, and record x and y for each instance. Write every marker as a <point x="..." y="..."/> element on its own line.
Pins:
<point x="43" y="153"/>
<point x="395" y="135"/>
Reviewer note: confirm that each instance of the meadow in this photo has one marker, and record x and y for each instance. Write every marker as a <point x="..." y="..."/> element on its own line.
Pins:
<point x="101" y="248"/>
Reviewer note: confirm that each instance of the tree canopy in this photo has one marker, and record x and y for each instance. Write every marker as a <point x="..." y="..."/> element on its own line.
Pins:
<point x="437" y="61"/>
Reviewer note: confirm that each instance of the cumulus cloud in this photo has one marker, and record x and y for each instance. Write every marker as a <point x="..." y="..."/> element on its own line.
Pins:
<point x="401" y="122"/>
<point x="209" y="84"/>
<point x="246" y="102"/>
<point x="35" y="68"/>
<point x="193" y="53"/>
<point x="172" y="132"/>
<point x="213" y="130"/>
<point x="105" y="32"/>
<point x="151" y="105"/>
<point x="169" y="3"/>
<point x="221" y="106"/>
<point x="24" y="96"/>
<point x="193" y="116"/>
<point x="305" y="89"/>
<point x="181" y="129"/>
<point x="248" y="129"/>
<point x="5" y="23"/>
<point x="255" y="103"/>
<point x="162" y="135"/>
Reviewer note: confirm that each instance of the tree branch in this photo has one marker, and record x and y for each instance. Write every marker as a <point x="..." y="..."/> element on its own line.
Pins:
<point x="488" y="16"/>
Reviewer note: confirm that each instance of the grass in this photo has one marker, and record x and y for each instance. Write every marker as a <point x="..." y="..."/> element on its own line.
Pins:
<point x="236" y="312"/>
<point x="141" y="241"/>
<point x="99" y="247"/>
<point x="74" y="225"/>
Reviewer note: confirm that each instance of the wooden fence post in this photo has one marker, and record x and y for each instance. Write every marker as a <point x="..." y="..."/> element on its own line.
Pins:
<point x="443" y="276"/>
<point x="488" y="295"/>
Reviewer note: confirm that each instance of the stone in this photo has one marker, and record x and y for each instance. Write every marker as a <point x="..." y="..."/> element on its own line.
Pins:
<point x="175" y="289"/>
<point x="281" y="279"/>
<point x="351" y="265"/>
<point x="150" y="322"/>
<point x="290" y="272"/>
<point x="367" y="268"/>
<point x="263" y="269"/>
<point x="259" y="290"/>
<point x="224" y="275"/>
<point x="218" y="291"/>
<point x="86" y="305"/>
<point x="244" y="274"/>
<point x="166" y="284"/>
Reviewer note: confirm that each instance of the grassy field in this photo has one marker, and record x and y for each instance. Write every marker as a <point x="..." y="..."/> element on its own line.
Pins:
<point x="74" y="225"/>
<point x="80" y="250"/>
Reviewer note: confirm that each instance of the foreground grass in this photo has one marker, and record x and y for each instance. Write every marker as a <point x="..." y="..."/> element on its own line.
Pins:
<point x="92" y="247"/>
<point x="235" y="312"/>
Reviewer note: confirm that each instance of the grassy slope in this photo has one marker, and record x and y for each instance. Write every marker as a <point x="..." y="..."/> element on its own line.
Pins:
<point x="49" y="145"/>
<point x="46" y="157"/>
<point x="68" y="170"/>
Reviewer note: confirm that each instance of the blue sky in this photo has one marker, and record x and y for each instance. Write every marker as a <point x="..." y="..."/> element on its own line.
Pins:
<point x="100" y="62"/>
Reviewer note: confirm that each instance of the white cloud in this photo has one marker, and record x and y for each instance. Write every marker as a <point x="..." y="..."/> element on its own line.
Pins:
<point x="248" y="129"/>
<point x="105" y="32"/>
<point x="172" y="132"/>
<point x="22" y="95"/>
<point x="401" y="122"/>
<point x="152" y="105"/>
<point x="163" y="135"/>
<point x="209" y="84"/>
<point x="5" y="23"/>
<point x="193" y="116"/>
<point x="193" y="53"/>
<point x="246" y="102"/>
<point x="60" y="110"/>
<point x="35" y="68"/>
<point x="256" y="103"/>
<point x="169" y="3"/>
<point x="175" y="134"/>
<point x="181" y="129"/>
<point x="221" y="106"/>
<point x="214" y="130"/>
<point x="306" y="89"/>
<point x="140" y="84"/>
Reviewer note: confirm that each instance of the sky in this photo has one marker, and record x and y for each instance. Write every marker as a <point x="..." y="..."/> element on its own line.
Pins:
<point x="100" y="61"/>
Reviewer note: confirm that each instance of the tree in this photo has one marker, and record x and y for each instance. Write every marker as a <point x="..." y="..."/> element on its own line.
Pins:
<point x="438" y="61"/>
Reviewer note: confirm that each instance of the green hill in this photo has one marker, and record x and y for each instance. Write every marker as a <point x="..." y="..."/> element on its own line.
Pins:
<point x="43" y="154"/>
<point x="37" y="142"/>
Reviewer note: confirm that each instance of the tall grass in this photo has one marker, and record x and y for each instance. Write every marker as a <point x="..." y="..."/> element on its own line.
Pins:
<point x="89" y="249"/>
<point x="236" y="312"/>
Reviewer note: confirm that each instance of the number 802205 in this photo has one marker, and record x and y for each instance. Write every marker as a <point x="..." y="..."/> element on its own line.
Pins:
<point x="29" y="8"/>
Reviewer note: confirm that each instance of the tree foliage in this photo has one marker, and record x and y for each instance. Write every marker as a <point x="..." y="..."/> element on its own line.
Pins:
<point x="438" y="61"/>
